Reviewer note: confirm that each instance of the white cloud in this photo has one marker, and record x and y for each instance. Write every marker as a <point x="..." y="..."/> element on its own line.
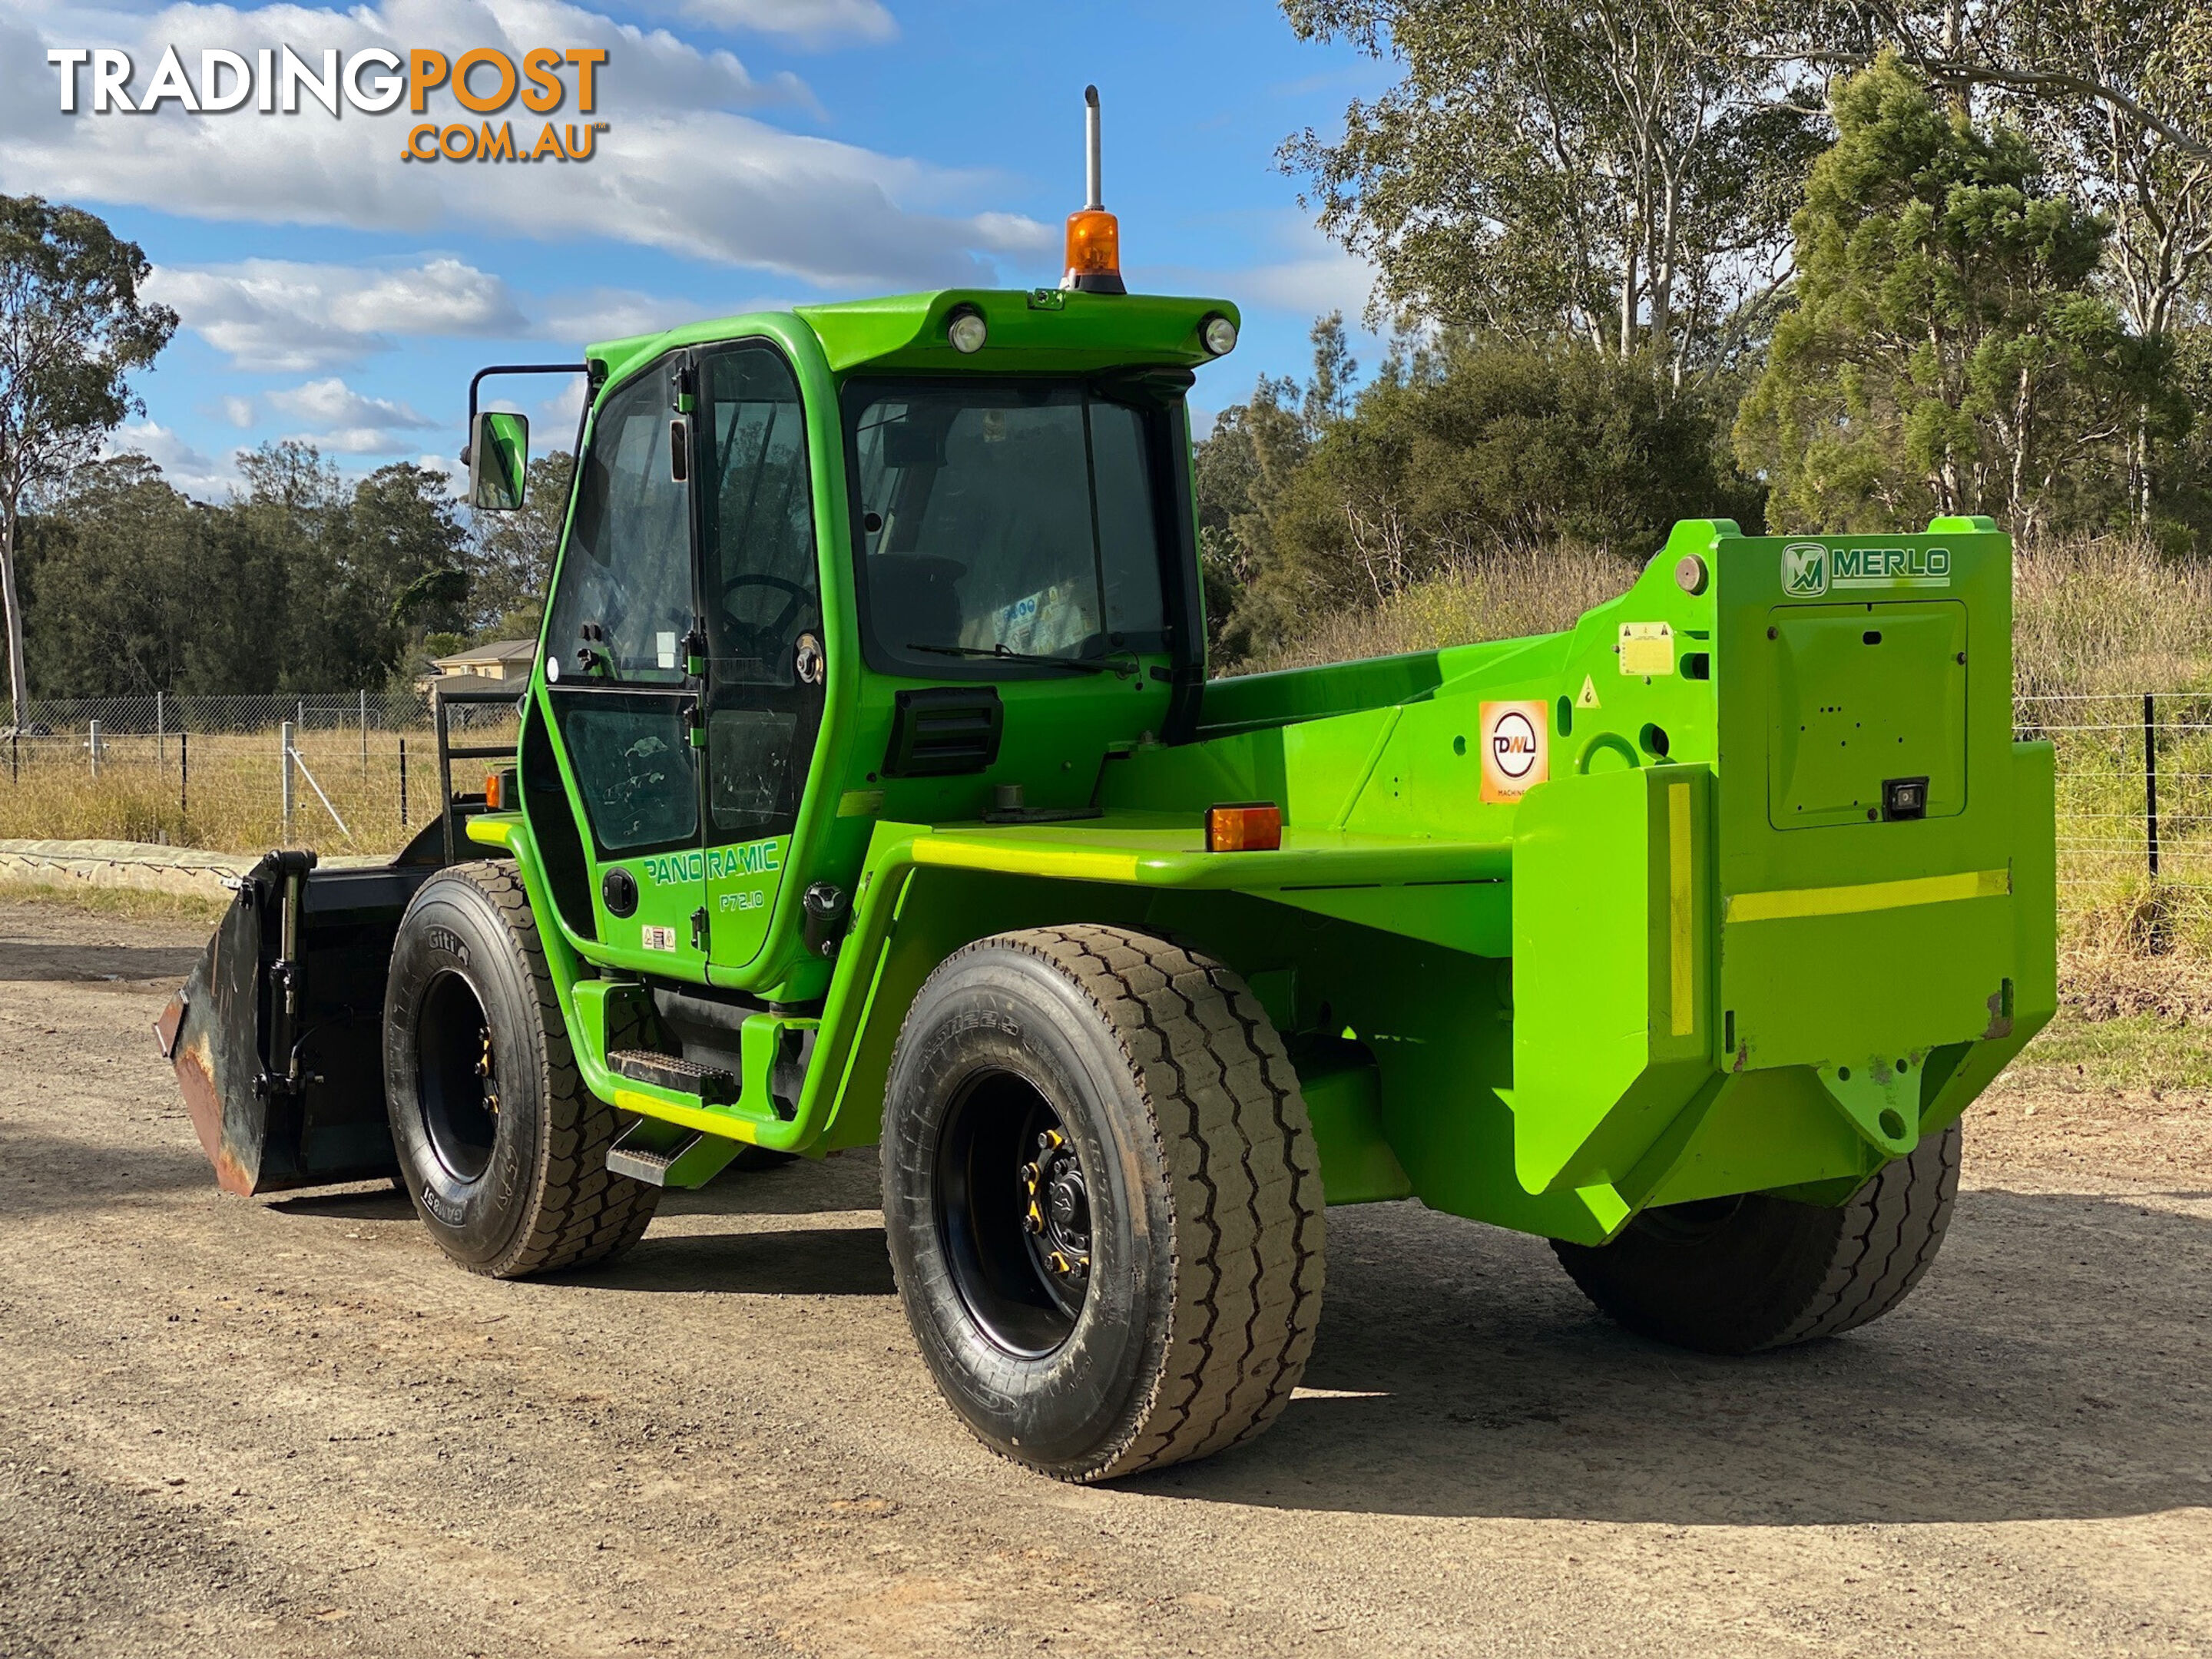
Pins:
<point x="332" y="402"/>
<point x="347" y="423"/>
<point x="610" y="314"/>
<point x="184" y="467"/>
<point x="813" y="22"/>
<point x="683" y="168"/>
<point x="367" y="440"/>
<point x="239" y="411"/>
<point x="286" y="317"/>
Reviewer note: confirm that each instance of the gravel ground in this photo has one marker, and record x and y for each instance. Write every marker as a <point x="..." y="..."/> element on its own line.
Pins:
<point x="286" y="1427"/>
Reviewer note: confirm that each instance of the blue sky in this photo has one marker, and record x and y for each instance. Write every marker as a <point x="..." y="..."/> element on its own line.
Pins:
<point x="760" y="152"/>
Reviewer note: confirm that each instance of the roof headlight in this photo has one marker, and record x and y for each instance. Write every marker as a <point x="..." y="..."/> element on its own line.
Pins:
<point x="1218" y="335"/>
<point x="966" y="330"/>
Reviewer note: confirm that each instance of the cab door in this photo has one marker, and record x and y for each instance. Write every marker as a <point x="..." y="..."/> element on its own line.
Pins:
<point x="620" y="644"/>
<point x="760" y="598"/>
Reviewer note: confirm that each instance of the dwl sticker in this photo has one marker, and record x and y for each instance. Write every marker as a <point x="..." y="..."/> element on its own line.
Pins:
<point x="1515" y="751"/>
<point x="1588" y="697"/>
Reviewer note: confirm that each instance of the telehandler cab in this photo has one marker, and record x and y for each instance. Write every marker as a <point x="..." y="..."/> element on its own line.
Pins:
<point x="870" y="788"/>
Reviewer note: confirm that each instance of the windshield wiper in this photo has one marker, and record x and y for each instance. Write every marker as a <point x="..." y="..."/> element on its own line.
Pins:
<point x="1004" y="653"/>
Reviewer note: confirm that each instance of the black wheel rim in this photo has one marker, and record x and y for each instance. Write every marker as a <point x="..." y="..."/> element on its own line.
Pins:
<point x="456" y="1080"/>
<point x="1013" y="1212"/>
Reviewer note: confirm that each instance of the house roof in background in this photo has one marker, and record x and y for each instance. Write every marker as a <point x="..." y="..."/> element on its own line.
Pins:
<point x="495" y="651"/>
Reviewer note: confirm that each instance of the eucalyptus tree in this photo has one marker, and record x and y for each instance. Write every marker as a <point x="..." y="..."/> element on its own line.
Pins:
<point x="72" y="330"/>
<point x="1615" y="173"/>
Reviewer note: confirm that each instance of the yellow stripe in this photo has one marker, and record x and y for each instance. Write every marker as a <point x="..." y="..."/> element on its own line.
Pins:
<point x="1682" y="991"/>
<point x="1014" y="858"/>
<point x="1869" y="895"/>
<point x="689" y="1117"/>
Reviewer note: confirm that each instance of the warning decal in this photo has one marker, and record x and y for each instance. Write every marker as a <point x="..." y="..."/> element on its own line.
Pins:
<point x="1515" y="749"/>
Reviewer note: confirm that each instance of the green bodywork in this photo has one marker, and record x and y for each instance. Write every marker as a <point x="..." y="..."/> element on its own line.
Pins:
<point x="1700" y="958"/>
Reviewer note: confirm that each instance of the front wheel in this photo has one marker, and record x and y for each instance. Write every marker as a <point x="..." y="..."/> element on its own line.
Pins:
<point x="502" y="1148"/>
<point x="1736" y="1275"/>
<point x="1103" y="1201"/>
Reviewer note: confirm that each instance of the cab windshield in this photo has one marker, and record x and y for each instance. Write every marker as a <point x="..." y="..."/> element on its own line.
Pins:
<point x="1005" y="520"/>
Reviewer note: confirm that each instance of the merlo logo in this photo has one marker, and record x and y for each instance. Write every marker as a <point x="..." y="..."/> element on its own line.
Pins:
<point x="1804" y="570"/>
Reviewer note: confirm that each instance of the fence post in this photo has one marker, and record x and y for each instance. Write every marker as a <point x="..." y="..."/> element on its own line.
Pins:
<point x="161" y="730"/>
<point x="2150" y="782"/>
<point x="288" y="729"/>
<point x="2150" y="817"/>
<point x="184" y="773"/>
<point x="402" y="782"/>
<point x="364" y="739"/>
<point x="92" y="743"/>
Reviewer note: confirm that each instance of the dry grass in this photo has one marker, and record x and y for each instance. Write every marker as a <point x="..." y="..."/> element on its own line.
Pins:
<point x="2108" y="613"/>
<point x="124" y="903"/>
<point x="1495" y="596"/>
<point x="231" y="800"/>
<point x="2096" y="623"/>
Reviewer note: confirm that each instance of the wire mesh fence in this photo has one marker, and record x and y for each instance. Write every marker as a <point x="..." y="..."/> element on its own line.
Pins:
<point x="357" y="773"/>
<point x="2135" y="813"/>
<point x="352" y="773"/>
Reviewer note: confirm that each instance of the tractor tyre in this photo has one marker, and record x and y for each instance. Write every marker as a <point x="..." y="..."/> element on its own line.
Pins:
<point x="502" y="1148"/>
<point x="1103" y="1201"/>
<point x="1736" y="1275"/>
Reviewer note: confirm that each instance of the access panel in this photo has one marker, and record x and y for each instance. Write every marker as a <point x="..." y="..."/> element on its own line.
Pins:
<point x="1866" y="713"/>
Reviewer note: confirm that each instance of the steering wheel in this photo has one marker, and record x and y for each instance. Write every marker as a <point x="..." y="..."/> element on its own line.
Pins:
<point x="770" y="635"/>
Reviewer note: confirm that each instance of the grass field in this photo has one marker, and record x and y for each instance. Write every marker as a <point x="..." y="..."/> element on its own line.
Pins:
<point x="2096" y="624"/>
<point x="225" y="792"/>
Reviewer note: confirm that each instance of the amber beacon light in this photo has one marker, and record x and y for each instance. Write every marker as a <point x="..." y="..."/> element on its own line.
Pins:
<point x="1094" y="238"/>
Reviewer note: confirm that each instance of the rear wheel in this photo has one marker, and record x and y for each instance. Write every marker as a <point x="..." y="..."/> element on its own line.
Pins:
<point x="1735" y="1275"/>
<point x="1103" y="1201"/>
<point x="500" y="1145"/>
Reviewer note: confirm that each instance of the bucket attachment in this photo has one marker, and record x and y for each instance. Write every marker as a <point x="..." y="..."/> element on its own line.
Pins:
<point x="278" y="1036"/>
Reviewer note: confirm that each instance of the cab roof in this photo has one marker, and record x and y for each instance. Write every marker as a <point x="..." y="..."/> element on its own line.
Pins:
<point x="1027" y="331"/>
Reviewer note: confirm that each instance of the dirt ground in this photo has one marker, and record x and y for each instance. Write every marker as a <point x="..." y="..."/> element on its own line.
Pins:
<point x="250" y="1427"/>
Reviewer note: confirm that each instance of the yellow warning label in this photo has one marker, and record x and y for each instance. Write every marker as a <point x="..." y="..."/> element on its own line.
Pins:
<point x="1588" y="697"/>
<point x="1647" y="649"/>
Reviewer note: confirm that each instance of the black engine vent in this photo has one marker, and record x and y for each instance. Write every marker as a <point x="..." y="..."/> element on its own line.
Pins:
<point x="945" y="731"/>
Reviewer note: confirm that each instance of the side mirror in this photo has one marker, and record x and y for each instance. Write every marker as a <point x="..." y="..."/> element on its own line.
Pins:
<point x="499" y="461"/>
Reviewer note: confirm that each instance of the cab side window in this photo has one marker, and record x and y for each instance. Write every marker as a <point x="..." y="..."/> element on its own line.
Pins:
<point x="620" y="608"/>
<point x="624" y="599"/>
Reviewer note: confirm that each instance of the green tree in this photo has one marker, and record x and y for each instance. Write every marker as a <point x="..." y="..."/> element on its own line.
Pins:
<point x="72" y="330"/>
<point x="1486" y="447"/>
<point x="115" y="572"/>
<point x="2116" y="95"/>
<point x="1243" y="469"/>
<point x="1618" y="173"/>
<point x="1941" y="350"/>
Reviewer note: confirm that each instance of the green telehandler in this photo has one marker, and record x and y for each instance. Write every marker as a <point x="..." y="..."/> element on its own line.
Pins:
<point x="869" y="789"/>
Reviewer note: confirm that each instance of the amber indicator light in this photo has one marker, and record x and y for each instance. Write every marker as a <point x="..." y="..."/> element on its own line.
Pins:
<point x="1244" y="827"/>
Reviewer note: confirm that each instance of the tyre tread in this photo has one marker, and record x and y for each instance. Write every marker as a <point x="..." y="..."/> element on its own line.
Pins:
<point x="583" y="1214"/>
<point x="1245" y="1187"/>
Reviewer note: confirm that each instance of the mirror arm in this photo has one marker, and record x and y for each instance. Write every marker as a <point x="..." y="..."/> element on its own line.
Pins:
<point x="482" y="374"/>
